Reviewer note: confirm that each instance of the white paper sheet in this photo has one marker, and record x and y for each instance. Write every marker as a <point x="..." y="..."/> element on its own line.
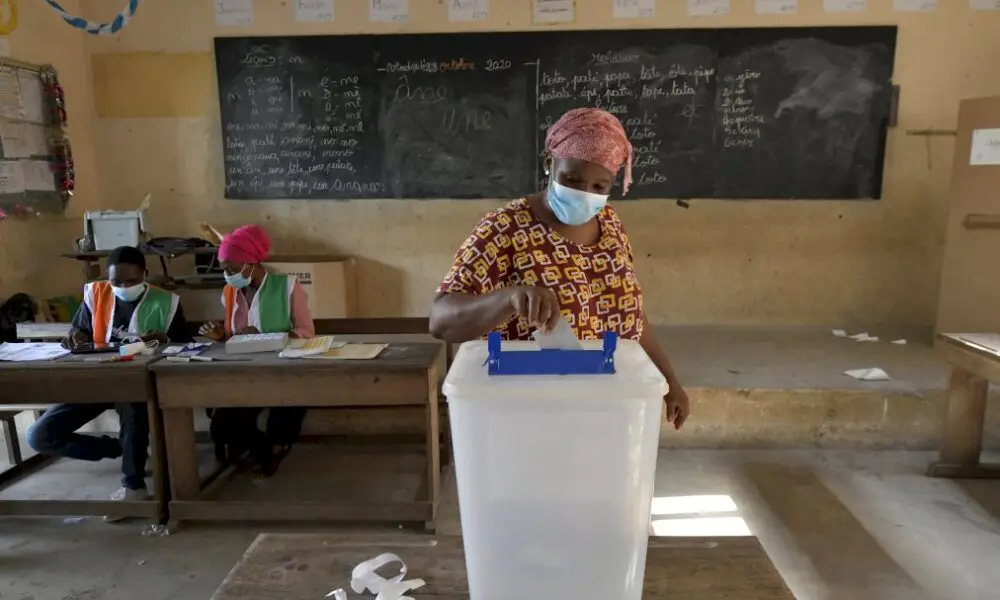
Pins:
<point x="777" y="7"/>
<point x="468" y="10"/>
<point x="553" y="11"/>
<point x="32" y="98"/>
<point x="10" y="94"/>
<point x="31" y="352"/>
<point x="839" y="333"/>
<point x="314" y="11"/>
<point x="388" y="11"/>
<point x="899" y="342"/>
<point x="707" y="8"/>
<point x="38" y="176"/>
<point x="984" y="4"/>
<point x="864" y="337"/>
<point x="914" y="5"/>
<point x="845" y="6"/>
<point x="869" y="374"/>
<point x="4" y="46"/>
<point x="365" y="579"/>
<point x="11" y="177"/>
<point x="233" y="13"/>
<point x="985" y="147"/>
<point x="634" y="9"/>
<point x="23" y="140"/>
<point x="560" y="338"/>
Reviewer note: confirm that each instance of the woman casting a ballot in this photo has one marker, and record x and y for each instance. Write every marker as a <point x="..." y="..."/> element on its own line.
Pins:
<point x="559" y="252"/>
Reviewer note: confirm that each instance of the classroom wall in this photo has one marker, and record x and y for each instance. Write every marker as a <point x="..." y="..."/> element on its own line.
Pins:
<point x="28" y="248"/>
<point x="758" y="262"/>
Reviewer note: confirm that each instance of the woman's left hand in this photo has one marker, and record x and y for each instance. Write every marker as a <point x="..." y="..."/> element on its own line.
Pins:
<point x="248" y="330"/>
<point x="678" y="408"/>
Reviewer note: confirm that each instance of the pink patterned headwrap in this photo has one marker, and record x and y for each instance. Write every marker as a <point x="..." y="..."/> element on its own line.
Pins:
<point x="593" y="135"/>
<point x="247" y="244"/>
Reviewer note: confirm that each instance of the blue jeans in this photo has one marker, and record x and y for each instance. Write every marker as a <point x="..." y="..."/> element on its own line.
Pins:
<point x="55" y="433"/>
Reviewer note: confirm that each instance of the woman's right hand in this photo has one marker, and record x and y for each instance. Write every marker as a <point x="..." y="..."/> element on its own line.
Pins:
<point x="75" y="339"/>
<point x="537" y="305"/>
<point x="213" y="331"/>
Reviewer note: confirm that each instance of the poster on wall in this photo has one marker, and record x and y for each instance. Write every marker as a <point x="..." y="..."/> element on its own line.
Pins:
<point x="845" y="6"/>
<point x="468" y="10"/>
<point x="777" y="7"/>
<point x="914" y="5"/>
<point x="233" y="13"/>
<point x="707" y="8"/>
<point x="985" y="147"/>
<point x="388" y="11"/>
<point x="546" y="12"/>
<point x="634" y="9"/>
<point x="314" y="11"/>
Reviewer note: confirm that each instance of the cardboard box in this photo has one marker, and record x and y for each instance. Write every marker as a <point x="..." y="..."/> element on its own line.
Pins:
<point x="329" y="281"/>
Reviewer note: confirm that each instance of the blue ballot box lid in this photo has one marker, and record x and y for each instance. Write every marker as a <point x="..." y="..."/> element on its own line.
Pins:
<point x="633" y="376"/>
<point x="551" y="361"/>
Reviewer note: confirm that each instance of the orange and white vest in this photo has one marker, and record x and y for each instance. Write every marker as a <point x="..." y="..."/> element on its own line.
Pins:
<point x="155" y="311"/>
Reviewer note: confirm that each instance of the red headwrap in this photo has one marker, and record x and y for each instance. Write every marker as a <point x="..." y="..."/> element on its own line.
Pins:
<point x="593" y="135"/>
<point x="247" y="244"/>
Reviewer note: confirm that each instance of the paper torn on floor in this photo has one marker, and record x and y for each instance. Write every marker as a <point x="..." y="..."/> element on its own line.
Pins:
<point x="870" y="374"/>
<point x="560" y="338"/>
<point x="864" y="337"/>
<point x="364" y="578"/>
<point x="899" y="342"/>
<point x="839" y="333"/>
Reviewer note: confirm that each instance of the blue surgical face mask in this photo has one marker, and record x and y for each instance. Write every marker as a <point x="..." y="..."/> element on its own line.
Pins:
<point x="572" y="206"/>
<point x="129" y="294"/>
<point x="239" y="280"/>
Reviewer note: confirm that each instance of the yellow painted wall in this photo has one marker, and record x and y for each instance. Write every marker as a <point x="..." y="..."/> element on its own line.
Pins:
<point x="717" y="262"/>
<point x="28" y="249"/>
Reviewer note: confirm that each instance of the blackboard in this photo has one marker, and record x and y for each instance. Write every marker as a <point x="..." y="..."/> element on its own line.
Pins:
<point x="712" y="113"/>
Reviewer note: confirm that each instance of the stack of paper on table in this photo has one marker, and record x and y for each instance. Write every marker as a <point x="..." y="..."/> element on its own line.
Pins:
<point x="352" y="352"/>
<point x="298" y="348"/>
<point x="11" y="352"/>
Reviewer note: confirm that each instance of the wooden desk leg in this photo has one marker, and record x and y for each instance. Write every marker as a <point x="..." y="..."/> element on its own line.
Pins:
<point x="160" y="479"/>
<point x="433" y="449"/>
<point x="962" y="437"/>
<point x="182" y="454"/>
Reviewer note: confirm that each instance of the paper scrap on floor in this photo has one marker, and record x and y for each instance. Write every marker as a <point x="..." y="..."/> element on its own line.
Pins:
<point x="899" y="342"/>
<point x="870" y="374"/>
<point x="299" y="348"/>
<point x="12" y="352"/>
<point x="560" y="338"/>
<point x="864" y="337"/>
<point x="351" y="352"/>
<point x="839" y="333"/>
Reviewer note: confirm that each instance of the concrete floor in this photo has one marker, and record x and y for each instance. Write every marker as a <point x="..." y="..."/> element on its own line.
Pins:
<point x="837" y="524"/>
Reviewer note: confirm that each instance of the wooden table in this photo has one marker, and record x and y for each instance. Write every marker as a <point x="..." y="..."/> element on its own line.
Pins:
<point x="405" y="374"/>
<point x="973" y="367"/>
<point x="74" y="380"/>
<point x="309" y="566"/>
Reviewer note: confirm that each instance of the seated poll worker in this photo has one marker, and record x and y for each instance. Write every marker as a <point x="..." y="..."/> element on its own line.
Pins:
<point x="256" y="301"/>
<point x="559" y="252"/>
<point x="123" y="308"/>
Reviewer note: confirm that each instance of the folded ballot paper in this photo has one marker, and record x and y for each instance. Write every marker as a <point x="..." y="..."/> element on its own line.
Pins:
<point x="560" y="338"/>
<point x="365" y="579"/>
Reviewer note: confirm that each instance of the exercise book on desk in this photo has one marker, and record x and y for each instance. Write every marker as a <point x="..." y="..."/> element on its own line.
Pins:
<point x="351" y="352"/>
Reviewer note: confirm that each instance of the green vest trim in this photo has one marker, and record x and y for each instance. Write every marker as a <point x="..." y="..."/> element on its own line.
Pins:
<point x="273" y="304"/>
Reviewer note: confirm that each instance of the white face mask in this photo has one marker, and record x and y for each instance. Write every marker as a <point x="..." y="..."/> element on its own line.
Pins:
<point x="129" y="294"/>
